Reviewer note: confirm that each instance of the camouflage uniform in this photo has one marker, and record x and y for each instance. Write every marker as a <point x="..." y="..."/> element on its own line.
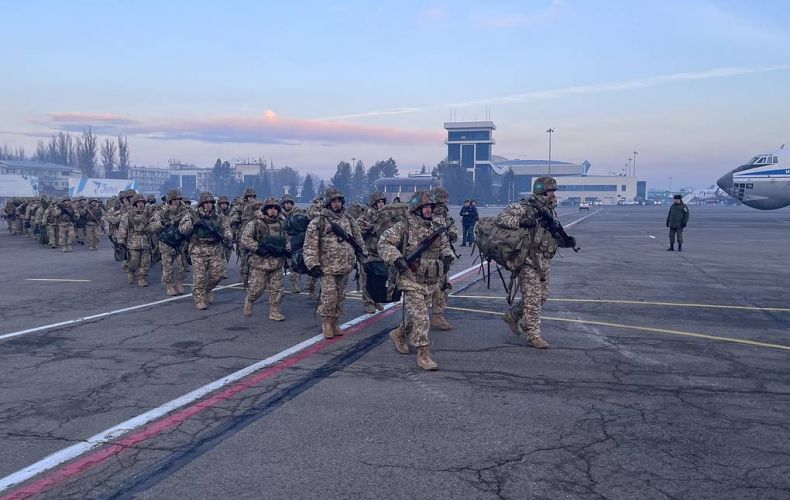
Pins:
<point x="533" y="277"/>
<point x="266" y="269"/>
<point x="421" y="282"/>
<point x="169" y="216"/>
<point x="134" y="231"/>
<point x="93" y="223"/>
<point x="30" y="214"/>
<point x="371" y="240"/>
<point x="79" y="223"/>
<point x="326" y="252"/>
<point x="52" y="224"/>
<point x="242" y="214"/>
<point x="441" y="214"/>
<point x="226" y="211"/>
<point x="64" y="215"/>
<point x="10" y="216"/>
<point x="287" y="199"/>
<point x="207" y="231"/>
<point x="313" y="211"/>
<point x="114" y="218"/>
<point x="40" y="220"/>
<point x="23" y="217"/>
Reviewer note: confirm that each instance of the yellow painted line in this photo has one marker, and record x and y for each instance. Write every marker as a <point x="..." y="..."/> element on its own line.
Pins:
<point x="643" y="303"/>
<point x="644" y="329"/>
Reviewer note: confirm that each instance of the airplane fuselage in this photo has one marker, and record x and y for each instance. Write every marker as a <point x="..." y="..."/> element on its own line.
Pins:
<point x="762" y="183"/>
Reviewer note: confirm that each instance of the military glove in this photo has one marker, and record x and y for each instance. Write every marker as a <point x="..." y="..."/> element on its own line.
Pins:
<point x="400" y="265"/>
<point x="316" y="271"/>
<point x="447" y="260"/>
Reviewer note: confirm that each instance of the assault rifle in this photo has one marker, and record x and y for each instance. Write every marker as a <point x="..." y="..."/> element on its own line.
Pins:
<point x="554" y="226"/>
<point x="213" y="230"/>
<point x="414" y="255"/>
<point x="343" y="235"/>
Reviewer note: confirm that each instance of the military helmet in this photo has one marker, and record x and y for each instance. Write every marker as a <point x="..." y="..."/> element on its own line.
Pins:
<point x="271" y="202"/>
<point x="65" y="198"/>
<point x="206" y="196"/>
<point x="333" y="193"/>
<point x="419" y="200"/>
<point x="441" y="194"/>
<point x="286" y="198"/>
<point x="130" y="193"/>
<point x="543" y="184"/>
<point x="137" y="198"/>
<point x="151" y="198"/>
<point x="92" y="200"/>
<point x="223" y="199"/>
<point x="375" y="196"/>
<point x="173" y="194"/>
<point x="250" y="191"/>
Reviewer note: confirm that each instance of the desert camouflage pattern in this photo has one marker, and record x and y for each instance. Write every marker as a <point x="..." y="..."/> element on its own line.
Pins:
<point x="266" y="272"/>
<point x="208" y="260"/>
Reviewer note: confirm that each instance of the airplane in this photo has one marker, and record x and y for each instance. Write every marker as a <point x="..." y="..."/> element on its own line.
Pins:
<point x="706" y="196"/>
<point x="762" y="183"/>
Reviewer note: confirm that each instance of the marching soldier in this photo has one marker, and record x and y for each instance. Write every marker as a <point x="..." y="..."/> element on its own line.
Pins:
<point x="52" y="224"/>
<point x="93" y="223"/>
<point x="441" y="214"/>
<point x="65" y="215"/>
<point x="133" y="235"/>
<point x="289" y="209"/>
<point x="419" y="280"/>
<point x="207" y="230"/>
<point x="265" y="240"/>
<point x="240" y="217"/>
<point x="376" y="201"/>
<point x="165" y="223"/>
<point x="327" y="255"/>
<point x="313" y="211"/>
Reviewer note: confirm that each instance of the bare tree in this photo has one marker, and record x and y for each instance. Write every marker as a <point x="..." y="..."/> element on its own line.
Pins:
<point x="108" y="157"/>
<point x="86" y="153"/>
<point x="41" y="151"/>
<point x="63" y="148"/>
<point x="123" y="158"/>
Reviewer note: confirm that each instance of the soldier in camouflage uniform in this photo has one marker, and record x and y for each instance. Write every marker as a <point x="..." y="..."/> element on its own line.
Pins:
<point x="65" y="215"/>
<point x="10" y="216"/>
<point x="331" y="258"/>
<point x="376" y="201"/>
<point x="93" y="223"/>
<point x="533" y="278"/>
<point x="51" y="223"/>
<point x="207" y="230"/>
<point x="313" y="211"/>
<point x="421" y="281"/>
<point x="223" y="205"/>
<point x="133" y="231"/>
<point x="289" y="209"/>
<point x="265" y="240"/>
<point x="168" y="218"/>
<point x="79" y="223"/>
<point x="240" y="216"/>
<point x="40" y="220"/>
<point x="114" y="217"/>
<point x="441" y="214"/>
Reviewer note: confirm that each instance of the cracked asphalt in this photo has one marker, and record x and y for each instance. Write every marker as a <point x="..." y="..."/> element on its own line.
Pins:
<point x="607" y="412"/>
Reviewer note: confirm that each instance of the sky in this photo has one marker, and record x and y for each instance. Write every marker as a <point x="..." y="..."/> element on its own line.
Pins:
<point x="696" y="87"/>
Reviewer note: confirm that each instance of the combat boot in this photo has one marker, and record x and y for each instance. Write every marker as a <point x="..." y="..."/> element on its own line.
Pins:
<point x="179" y="288"/>
<point x="201" y="306"/>
<point x="379" y="307"/>
<point x="247" y="308"/>
<point x="369" y="308"/>
<point x="274" y="313"/>
<point x="69" y="249"/>
<point x="210" y="297"/>
<point x="536" y="341"/>
<point x="295" y="287"/>
<point x="512" y="322"/>
<point x="64" y="249"/>
<point x="680" y="247"/>
<point x="171" y="291"/>
<point x="336" y="329"/>
<point x="399" y="339"/>
<point x="327" y="328"/>
<point x="424" y="360"/>
<point x="142" y="281"/>
<point x="439" y="322"/>
<point x="671" y="248"/>
<point x="130" y="277"/>
<point x="314" y="294"/>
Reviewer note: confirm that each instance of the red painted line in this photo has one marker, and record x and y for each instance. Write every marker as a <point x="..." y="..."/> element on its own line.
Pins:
<point x="94" y="459"/>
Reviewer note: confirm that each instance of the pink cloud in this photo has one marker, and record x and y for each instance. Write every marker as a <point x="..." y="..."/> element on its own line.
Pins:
<point x="268" y="128"/>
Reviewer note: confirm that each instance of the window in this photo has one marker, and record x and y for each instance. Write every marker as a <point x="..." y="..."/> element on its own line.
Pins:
<point x="776" y="160"/>
<point x="468" y="156"/>
<point x="587" y="187"/>
<point x="483" y="152"/>
<point x="622" y="187"/>
<point x="453" y="152"/>
<point x="472" y="135"/>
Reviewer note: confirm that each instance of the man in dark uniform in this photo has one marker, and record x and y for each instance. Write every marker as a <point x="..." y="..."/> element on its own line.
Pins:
<point x="677" y="218"/>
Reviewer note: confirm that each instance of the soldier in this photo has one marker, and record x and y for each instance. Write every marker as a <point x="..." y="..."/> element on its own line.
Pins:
<point x="677" y="218"/>
<point x="114" y="218"/>
<point x="420" y="279"/>
<point x="330" y="257"/>
<point x="93" y="223"/>
<point x="312" y="212"/>
<point x="22" y="217"/>
<point x="30" y="214"/>
<point x="376" y="201"/>
<point x="533" y="277"/>
<point x="165" y="223"/>
<point x="207" y="230"/>
<point x="40" y="220"/>
<point x="441" y="214"/>
<point x="265" y="240"/>
<point x="52" y="224"/>
<point x="79" y="224"/>
<point x="65" y="215"/>
<point x="133" y="230"/>
<point x="224" y="208"/>
<point x="241" y="215"/>
<point x="289" y="209"/>
<point x="9" y="212"/>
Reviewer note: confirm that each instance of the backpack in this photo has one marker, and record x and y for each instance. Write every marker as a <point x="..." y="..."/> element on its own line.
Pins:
<point x="507" y="247"/>
<point x="388" y="216"/>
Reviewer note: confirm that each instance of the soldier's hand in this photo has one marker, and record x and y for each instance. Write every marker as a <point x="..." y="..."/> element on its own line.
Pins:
<point x="316" y="271"/>
<point x="401" y="265"/>
<point x="447" y="260"/>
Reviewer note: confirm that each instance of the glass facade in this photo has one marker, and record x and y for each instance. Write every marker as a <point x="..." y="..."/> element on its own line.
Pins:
<point x="472" y="135"/>
<point x="483" y="152"/>
<point x="468" y="155"/>
<point x="453" y="152"/>
<point x="587" y="187"/>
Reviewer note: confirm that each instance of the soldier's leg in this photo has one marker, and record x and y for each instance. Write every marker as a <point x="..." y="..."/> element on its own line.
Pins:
<point x="295" y="279"/>
<point x="90" y="234"/>
<point x="69" y="236"/>
<point x="256" y="284"/>
<point x="244" y="265"/>
<point x="417" y="320"/>
<point x="312" y="287"/>
<point x="63" y="238"/>
<point x="679" y="233"/>
<point x="145" y="267"/>
<point x="169" y="258"/>
<point x="216" y="269"/>
<point x="532" y="302"/>
<point x="672" y="232"/>
<point x="199" y="280"/>
<point x="367" y="301"/>
<point x="439" y="303"/>
<point x="327" y="305"/>
<point x="51" y="236"/>
<point x="275" y="287"/>
<point x="132" y="265"/>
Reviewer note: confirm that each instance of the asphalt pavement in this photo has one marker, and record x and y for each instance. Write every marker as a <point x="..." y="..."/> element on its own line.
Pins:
<point x="668" y="376"/>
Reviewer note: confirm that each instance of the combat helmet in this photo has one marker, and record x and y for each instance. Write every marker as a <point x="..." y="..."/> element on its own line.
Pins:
<point x="151" y="199"/>
<point x="223" y="199"/>
<point x="206" y="196"/>
<point x="543" y="184"/>
<point x="419" y="200"/>
<point x="375" y="196"/>
<point x="333" y="193"/>
<point x="250" y="191"/>
<point x="286" y="198"/>
<point x="137" y="198"/>
<point x="173" y="194"/>
<point x="271" y="202"/>
<point x="441" y="194"/>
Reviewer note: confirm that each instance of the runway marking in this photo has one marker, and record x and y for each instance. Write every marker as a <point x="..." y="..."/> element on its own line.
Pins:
<point x="646" y="303"/>
<point x="585" y="217"/>
<point x="299" y="352"/>
<point x="57" y="279"/>
<point x="6" y="336"/>
<point x="642" y="328"/>
<point x="651" y="236"/>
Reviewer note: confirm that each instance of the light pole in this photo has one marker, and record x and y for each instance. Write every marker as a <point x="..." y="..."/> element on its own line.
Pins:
<point x="629" y="166"/>
<point x="550" y="131"/>
<point x="670" y="184"/>
<point x="635" y="153"/>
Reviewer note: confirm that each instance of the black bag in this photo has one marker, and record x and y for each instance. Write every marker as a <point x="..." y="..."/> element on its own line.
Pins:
<point x="297" y="262"/>
<point x="171" y="236"/>
<point x="381" y="285"/>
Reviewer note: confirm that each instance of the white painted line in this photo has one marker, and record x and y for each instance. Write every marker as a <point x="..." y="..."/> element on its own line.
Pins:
<point x="57" y="279"/>
<point x="119" y="430"/>
<point x="585" y="217"/>
<point x="100" y="315"/>
<point x="651" y="236"/>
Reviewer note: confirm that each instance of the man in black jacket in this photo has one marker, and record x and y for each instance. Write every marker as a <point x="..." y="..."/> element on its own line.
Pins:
<point x="469" y="218"/>
<point x="677" y="218"/>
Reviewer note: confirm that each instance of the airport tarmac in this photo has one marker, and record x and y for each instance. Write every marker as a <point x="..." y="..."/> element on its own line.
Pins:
<point x="668" y="376"/>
